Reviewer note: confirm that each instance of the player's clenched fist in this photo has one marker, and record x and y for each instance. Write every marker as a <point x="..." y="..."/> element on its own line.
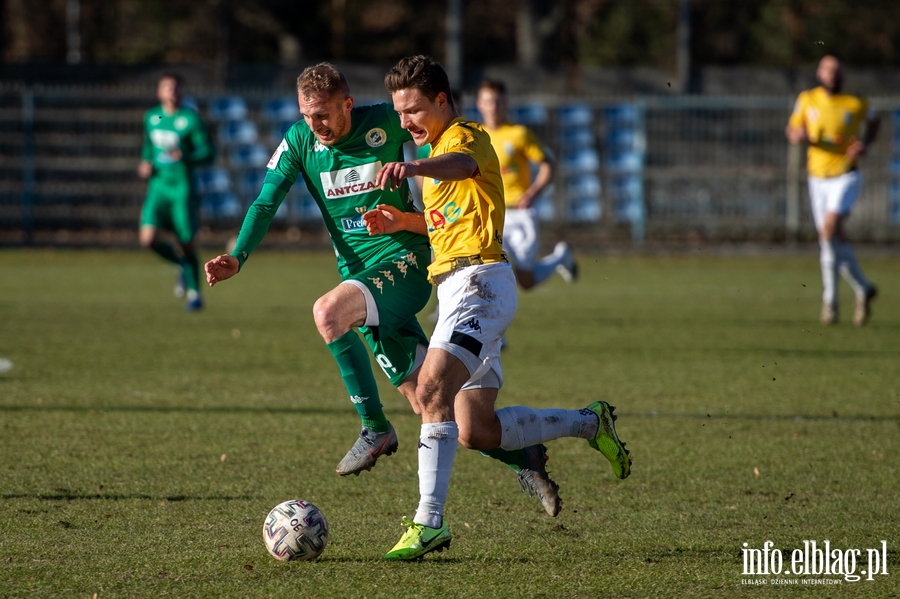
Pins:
<point x="392" y="174"/>
<point x="221" y="268"/>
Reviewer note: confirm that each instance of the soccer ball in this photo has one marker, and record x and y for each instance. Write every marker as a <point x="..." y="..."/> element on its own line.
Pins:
<point x="295" y="529"/>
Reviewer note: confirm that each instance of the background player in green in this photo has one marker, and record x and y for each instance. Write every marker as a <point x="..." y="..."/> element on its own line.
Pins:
<point x="338" y="149"/>
<point x="176" y="141"/>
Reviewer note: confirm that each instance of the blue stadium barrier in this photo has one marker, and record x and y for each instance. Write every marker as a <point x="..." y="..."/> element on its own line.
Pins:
<point x="191" y="103"/>
<point x="583" y="185"/>
<point x="248" y="156"/>
<point x="250" y="182"/>
<point x="625" y="161"/>
<point x="577" y="138"/>
<point x="583" y="210"/>
<point x="894" y="163"/>
<point x="237" y="132"/>
<point x="212" y="180"/>
<point x="280" y="109"/>
<point x="369" y="101"/>
<point x="277" y="130"/>
<point x="621" y="138"/>
<point x="574" y="115"/>
<point x="625" y="185"/>
<point x="581" y="160"/>
<point x="227" y="108"/>
<point x="894" y="202"/>
<point x="471" y="114"/>
<point x="621" y="114"/>
<point x="220" y="205"/>
<point x="532" y="115"/>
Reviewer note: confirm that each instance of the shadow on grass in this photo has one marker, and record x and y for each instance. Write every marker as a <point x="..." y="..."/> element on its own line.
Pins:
<point x="340" y="410"/>
<point x="793" y="417"/>
<point x="75" y="496"/>
<point x="177" y="409"/>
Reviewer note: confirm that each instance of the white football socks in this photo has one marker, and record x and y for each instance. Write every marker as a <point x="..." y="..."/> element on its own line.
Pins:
<point x="522" y="426"/>
<point x="849" y="267"/>
<point x="828" y="263"/>
<point x="437" y="449"/>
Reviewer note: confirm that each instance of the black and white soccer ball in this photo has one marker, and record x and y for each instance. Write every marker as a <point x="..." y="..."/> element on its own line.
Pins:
<point x="295" y="530"/>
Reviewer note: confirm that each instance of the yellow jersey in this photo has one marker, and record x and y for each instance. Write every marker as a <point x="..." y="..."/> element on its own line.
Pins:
<point x="465" y="218"/>
<point x="832" y="123"/>
<point x="517" y="149"/>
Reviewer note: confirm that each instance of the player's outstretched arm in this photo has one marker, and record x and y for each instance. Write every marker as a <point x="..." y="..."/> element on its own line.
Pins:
<point x="221" y="268"/>
<point x="385" y="218"/>
<point x="795" y="134"/>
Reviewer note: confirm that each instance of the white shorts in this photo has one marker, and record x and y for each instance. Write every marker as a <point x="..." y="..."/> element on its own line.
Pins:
<point x="476" y="305"/>
<point x="833" y="194"/>
<point x="520" y="237"/>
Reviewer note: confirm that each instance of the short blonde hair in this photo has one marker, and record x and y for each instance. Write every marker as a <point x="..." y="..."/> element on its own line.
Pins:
<point x="323" y="78"/>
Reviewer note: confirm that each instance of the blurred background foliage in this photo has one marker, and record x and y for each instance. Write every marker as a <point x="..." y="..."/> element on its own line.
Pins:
<point x="766" y="33"/>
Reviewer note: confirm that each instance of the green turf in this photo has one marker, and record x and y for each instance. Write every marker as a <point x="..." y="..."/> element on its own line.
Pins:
<point x="141" y="446"/>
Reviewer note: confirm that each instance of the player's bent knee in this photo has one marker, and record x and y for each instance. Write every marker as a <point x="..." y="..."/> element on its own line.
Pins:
<point x="326" y="314"/>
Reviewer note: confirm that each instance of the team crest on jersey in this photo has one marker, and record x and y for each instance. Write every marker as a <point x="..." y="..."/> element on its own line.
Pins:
<point x="376" y="137"/>
<point x="318" y="147"/>
<point x="181" y="122"/>
<point x="273" y="161"/>
<point x="812" y="114"/>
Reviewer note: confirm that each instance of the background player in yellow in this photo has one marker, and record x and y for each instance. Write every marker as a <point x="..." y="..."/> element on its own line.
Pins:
<point x="176" y="141"/>
<point x="838" y="128"/>
<point x="518" y="150"/>
<point x="461" y="376"/>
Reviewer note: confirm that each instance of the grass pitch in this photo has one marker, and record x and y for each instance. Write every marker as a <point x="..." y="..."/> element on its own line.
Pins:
<point x="142" y="446"/>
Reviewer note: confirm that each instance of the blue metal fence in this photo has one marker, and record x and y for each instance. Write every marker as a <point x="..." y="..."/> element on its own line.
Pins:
<point x="656" y="167"/>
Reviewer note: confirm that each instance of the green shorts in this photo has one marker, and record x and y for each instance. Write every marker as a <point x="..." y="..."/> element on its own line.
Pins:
<point x="172" y="205"/>
<point x="400" y="289"/>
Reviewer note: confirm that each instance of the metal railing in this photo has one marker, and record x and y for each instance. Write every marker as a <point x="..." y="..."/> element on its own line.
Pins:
<point x="683" y="167"/>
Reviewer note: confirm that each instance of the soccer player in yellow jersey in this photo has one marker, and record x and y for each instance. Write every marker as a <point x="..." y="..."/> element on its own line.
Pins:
<point x="461" y="376"/>
<point x="518" y="150"/>
<point x="838" y="128"/>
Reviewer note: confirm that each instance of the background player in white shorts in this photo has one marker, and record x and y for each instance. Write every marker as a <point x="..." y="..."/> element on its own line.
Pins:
<point x="459" y="381"/>
<point x="830" y="122"/>
<point x="518" y="150"/>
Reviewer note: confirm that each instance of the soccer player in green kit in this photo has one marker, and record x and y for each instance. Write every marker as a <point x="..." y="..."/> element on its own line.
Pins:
<point x="338" y="149"/>
<point x="175" y="142"/>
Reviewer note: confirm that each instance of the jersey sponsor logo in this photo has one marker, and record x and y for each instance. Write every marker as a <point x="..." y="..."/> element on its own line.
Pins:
<point x="353" y="224"/>
<point x="376" y="137"/>
<point x="348" y="182"/>
<point x="164" y="140"/>
<point x="441" y="218"/>
<point x="273" y="161"/>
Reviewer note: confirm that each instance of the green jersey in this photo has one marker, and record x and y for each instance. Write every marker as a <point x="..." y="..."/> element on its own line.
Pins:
<point x="341" y="179"/>
<point x="183" y="130"/>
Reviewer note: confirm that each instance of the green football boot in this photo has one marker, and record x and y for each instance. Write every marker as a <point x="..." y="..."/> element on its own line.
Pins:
<point x="419" y="540"/>
<point x="606" y="441"/>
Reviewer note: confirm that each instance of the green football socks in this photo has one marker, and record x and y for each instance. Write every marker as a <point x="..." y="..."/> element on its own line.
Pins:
<point x="515" y="459"/>
<point x="353" y="360"/>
